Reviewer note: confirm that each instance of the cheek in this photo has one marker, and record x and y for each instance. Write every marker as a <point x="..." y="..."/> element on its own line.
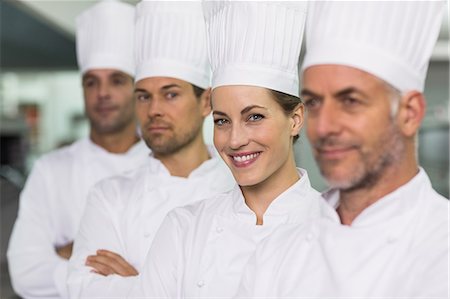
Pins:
<point x="124" y="96"/>
<point x="89" y="97"/>
<point x="220" y="138"/>
<point x="310" y="125"/>
<point x="141" y="112"/>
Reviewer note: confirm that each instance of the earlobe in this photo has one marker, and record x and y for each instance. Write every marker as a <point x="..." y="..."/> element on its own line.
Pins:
<point x="412" y="112"/>
<point x="297" y="120"/>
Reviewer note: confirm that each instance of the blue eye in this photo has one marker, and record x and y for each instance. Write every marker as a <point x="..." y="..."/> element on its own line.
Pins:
<point x="255" y="117"/>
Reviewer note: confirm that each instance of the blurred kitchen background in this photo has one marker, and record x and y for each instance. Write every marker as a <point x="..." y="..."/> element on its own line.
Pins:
<point x="41" y="103"/>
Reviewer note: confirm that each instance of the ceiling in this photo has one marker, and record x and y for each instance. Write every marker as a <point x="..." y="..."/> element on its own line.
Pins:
<point x="40" y="34"/>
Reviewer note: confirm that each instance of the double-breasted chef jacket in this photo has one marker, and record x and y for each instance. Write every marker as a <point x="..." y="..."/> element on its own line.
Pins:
<point x="201" y="250"/>
<point x="123" y="214"/>
<point x="51" y="206"/>
<point x="396" y="248"/>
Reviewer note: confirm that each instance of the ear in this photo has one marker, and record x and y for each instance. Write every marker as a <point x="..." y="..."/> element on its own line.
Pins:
<point x="297" y="118"/>
<point x="412" y="112"/>
<point x="205" y="101"/>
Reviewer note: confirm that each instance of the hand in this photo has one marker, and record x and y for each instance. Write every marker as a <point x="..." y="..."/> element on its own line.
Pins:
<point x="107" y="262"/>
<point x="65" y="251"/>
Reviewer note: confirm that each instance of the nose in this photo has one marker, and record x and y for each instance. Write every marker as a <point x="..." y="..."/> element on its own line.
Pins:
<point x="104" y="91"/>
<point x="239" y="137"/>
<point x="325" y="121"/>
<point x="155" y="108"/>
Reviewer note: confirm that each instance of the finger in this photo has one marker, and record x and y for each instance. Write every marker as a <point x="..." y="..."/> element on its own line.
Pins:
<point x="123" y="269"/>
<point x="122" y="265"/>
<point x="99" y="268"/>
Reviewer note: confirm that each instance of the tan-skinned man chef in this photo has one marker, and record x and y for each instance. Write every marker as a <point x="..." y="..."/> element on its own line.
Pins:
<point x="52" y="203"/>
<point x="172" y="97"/>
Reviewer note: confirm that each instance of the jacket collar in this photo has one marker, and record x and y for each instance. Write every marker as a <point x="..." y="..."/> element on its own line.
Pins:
<point x="296" y="204"/>
<point x="395" y="204"/>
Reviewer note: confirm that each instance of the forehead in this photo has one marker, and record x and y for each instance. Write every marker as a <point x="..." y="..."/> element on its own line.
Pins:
<point x="329" y="77"/>
<point x="104" y="73"/>
<point x="156" y="83"/>
<point x="239" y="96"/>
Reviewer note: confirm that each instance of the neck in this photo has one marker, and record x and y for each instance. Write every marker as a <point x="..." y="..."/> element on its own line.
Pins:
<point x="118" y="142"/>
<point x="184" y="161"/>
<point x="259" y="197"/>
<point x="354" y="202"/>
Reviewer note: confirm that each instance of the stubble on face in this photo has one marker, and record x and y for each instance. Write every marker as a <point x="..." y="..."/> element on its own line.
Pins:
<point x="113" y="111"/>
<point x="117" y="124"/>
<point x="165" y="145"/>
<point x="372" y="162"/>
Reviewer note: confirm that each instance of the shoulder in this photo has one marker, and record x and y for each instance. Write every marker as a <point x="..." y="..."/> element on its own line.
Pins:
<point x="60" y="158"/>
<point x="203" y="210"/>
<point x="435" y="210"/>
<point x="122" y="188"/>
<point x="431" y="224"/>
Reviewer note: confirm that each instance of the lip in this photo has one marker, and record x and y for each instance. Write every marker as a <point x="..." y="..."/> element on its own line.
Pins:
<point x="105" y="110"/>
<point x="244" y="159"/>
<point x="334" y="153"/>
<point x="157" y="129"/>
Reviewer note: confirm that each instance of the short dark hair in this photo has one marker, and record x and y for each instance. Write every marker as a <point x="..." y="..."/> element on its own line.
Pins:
<point x="198" y="91"/>
<point x="287" y="102"/>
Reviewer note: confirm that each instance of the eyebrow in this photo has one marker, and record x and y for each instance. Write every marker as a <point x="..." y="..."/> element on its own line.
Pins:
<point x="307" y="92"/>
<point x="245" y="110"/>
<point x="248" y="108"/>
<point x="349" y="90"/>
<point x="165" y="87"/>
<point x="140" y="90"/>
<point x="346" y="91"/>
<point x="118" y="74"/>
<point x="88" y="76"/>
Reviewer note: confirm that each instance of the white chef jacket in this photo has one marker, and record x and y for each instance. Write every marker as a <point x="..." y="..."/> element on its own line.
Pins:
<point x="50" y="210"/>
<point x="396" y="248"/>
<point x="124" y="213"/>
<point x="201" y="250"/>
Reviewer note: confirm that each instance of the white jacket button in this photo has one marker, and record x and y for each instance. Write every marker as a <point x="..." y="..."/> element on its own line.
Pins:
<point x="309" y="237"/>
<point x="219" y="229"/>
<point x="200" y="283"/>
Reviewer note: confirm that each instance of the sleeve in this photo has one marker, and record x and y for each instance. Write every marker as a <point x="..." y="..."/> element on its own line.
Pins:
<point x="98" y="230"/>
<point x="160" y="276"/>
<point x="33" y="261"/>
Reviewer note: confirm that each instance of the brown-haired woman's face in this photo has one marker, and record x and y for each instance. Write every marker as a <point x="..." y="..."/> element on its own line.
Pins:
<point x="252" y="133"/>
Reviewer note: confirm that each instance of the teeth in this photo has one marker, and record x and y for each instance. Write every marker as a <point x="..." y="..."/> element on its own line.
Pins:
<point x="245" y="158"/>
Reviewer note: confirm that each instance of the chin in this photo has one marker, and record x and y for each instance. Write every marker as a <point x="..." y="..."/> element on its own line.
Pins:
<point x="336" y="178"/>
<point x="246" y="181"/>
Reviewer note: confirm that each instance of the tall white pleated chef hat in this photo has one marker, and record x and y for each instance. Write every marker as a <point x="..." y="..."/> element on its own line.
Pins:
<point x="392" y="40"/>
<point x="105" y="36"/>
<point x="255" y="43"/>
<point x="170" y="41"/>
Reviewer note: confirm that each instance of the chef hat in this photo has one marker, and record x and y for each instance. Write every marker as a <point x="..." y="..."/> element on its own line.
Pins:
<point x="105" y="36"/>
<point x="170" y="41"/>
<point x="389" y="39"/>
<point x="255" y="43"/>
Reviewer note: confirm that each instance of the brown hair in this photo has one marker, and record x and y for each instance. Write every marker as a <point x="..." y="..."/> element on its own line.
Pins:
<point x="287" y="102"/>
<point x="198" y="91"/>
